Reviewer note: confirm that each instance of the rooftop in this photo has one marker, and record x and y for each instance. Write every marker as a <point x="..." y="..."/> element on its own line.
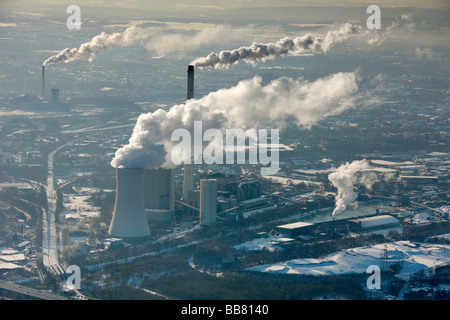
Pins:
<point x="295" y="225"/>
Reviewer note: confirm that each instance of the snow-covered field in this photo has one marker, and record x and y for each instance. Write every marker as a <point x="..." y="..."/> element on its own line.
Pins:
<point x="271" y="244"/>
<point x="413" y="257"/>
<point x="76" y="205"/>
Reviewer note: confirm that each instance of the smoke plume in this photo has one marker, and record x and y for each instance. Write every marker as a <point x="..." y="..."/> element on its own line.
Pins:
<point x="249" y="104"/>
<point x="153" y="40"/>
<point x="344" y="179"/>
<point x="260" y="52"/>
<point x="103" y="41"/>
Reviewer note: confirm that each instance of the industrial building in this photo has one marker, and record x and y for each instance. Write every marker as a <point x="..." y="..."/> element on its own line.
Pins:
<point x="208" y="201"/>
<point x="293" y="230"/>
<point x="159" y="195"/>
<point x="344" y="226"/>
<point x="248" y="190"/>
<point x="188" y="180"/>
<point x="373" y="223"/>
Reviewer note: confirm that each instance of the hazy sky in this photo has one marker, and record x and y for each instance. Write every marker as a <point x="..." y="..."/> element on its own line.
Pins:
<point x="229" y="4"/>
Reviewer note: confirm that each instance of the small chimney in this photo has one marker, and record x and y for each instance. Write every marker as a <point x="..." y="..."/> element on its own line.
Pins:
<point x="190" y="83"/>
<point x="55" y="95"/>
<point x="43" y="81"/>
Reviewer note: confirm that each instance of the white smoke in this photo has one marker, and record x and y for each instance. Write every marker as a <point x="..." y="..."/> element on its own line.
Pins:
<point x="247" y="105"/>
<point x="260" y="52"/>
<point x="103" y="41"/>
<point x="307" y="44"/>
<point x="344" y="179"/>
<point x="153" y="40"/>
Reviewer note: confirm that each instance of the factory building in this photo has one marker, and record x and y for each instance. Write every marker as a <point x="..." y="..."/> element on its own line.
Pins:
<point x="188" y="180"/>
<point x="254" y="203"/>
<point x="248" y="190"/>
<point x="293" y="230"/>
<point x="379" y="222"/>
<point x="159" y="195"/>
<point x="344" y="226"/>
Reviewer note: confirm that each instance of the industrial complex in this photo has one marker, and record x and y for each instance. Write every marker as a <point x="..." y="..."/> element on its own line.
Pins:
<point x="93" y="205"/>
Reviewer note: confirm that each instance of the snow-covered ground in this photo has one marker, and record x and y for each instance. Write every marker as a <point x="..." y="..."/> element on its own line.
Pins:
<point x="413" y="257"/>
<point x="76" y="205"/>
<point x="270" y="243"/>
<point x="8" y="257"/>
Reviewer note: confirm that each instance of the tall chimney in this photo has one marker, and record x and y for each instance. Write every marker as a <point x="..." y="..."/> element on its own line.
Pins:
<point x="188" y="183"/>
<point x="190" y="83"/>
<point x="43" y="81"/>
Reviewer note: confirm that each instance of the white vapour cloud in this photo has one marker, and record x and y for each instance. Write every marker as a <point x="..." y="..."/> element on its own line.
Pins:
<point x="261" y="52"/>
<point x="344" y="179"/>
<point x="152" y="39"/>
<point x="249" y="104"/>
<point x="306" y="44"/>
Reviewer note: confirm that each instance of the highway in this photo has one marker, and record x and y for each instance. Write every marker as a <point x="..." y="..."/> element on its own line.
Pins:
<point x="40" y="294"/>
<point x="49" y="239"/>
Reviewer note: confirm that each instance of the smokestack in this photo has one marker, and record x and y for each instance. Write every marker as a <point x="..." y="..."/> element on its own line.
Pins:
<point x="129" y="218"/>
<point x="190" y="82"/>
<point x="188" y="183"/>
<point x="43" y="81"/>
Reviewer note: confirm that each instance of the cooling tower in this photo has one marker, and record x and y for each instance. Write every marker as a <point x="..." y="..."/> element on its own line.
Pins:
<point x="129" y="218"/>
<point x="190" y="82"/>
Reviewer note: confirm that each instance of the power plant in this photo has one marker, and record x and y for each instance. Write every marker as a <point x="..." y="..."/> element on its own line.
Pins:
<point x="146" y="196"/>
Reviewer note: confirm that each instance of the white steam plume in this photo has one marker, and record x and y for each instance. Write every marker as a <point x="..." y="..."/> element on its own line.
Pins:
<point x="307" y="44"/>
<point x="103" y="41"/>
<point x="153" y="40"/>
<point x="261" y="52"/>
<point x="247" y="105"/>
<point x="344" y="179"/>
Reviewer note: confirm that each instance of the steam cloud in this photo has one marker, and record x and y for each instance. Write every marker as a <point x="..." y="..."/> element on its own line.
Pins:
<point x="164" y="43"/>
<point x="307" y="44"/>
<point x="344" y="179"/>
<point x="159" y="43"/>
<point x="249" y="104"/>
<point x="259" y="52"/>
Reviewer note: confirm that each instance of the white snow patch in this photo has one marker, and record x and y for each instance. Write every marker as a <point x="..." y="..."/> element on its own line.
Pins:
<point x="412" y="257"/>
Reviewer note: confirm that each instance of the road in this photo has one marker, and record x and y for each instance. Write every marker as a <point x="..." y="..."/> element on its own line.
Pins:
<point x="40" y="294"/>
<point x="50" y="245"/>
